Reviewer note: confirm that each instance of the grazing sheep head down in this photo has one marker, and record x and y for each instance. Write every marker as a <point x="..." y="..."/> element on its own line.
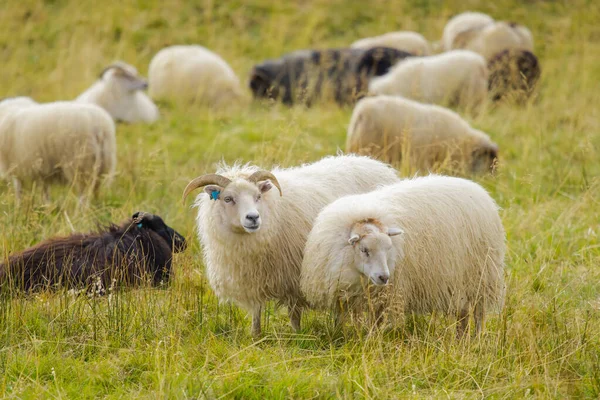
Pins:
<point x="484" y="159"/>
<point x="238" y="202"/>
<point x="124" y="76"/>
<point x="374" y="254"/>
<point x="155" y="223"/>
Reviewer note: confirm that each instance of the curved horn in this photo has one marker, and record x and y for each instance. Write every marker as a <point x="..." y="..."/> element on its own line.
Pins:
<point x="204" y="180"/>
<point x="263" y="175"/>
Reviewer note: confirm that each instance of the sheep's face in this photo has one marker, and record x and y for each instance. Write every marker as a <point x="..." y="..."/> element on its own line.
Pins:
<point x="240" y="204"/>
<point x="155" y="223"/>
<point x="374" y="253"/>
<point x="125" y="77"/>
<point x="484" y="159"/>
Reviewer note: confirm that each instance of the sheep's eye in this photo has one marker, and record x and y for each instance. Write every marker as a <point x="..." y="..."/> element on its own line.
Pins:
<point x="228" y="199"/>
<point x="366" y="252"/>
<point x="258" y="197"/>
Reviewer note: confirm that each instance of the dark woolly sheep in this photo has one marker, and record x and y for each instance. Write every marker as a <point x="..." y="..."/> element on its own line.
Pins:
<point x="305" y="75"/>
<point x="514" y="74"/>
<point x="139" y="250"/>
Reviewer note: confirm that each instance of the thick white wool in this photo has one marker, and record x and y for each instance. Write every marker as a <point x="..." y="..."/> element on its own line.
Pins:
<point x="56" y="142"/>
<point x="193" y="74"/>
<point x="394" y="127"/>
<point x="251" y="269"/>
<point x="450" y="256"/>
<point x="457" y="77"/>
<point x="411" y="42"/>
<point x="461" y="23"/>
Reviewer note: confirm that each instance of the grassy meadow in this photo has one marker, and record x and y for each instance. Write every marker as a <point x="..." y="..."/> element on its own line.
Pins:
<point x="178" y="341"/>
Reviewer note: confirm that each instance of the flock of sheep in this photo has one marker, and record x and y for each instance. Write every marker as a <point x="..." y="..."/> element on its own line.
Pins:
<point x="344" y="233"/>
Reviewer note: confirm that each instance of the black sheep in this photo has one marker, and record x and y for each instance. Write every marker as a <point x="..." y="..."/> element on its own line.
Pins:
<point x="139" y="250"/>
<point x="305" y="75"/>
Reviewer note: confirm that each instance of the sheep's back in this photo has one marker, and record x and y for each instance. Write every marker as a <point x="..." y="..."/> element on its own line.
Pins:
<point x="59" y="139"/>
<point x="192" y="73"/>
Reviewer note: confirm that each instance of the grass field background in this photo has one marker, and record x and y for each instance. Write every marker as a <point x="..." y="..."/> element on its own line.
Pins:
<point x="178" y="342"/>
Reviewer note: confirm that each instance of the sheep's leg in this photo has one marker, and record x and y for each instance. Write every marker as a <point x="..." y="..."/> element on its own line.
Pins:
<point x="18" y="189"/>
<point x="45" y="193"/>
<point x="256" y="315"/>
<point x="295" y="314"/>
<point x="463" y="322"/>
<point x="479" y="316"/>
<point x="339" y="315"/>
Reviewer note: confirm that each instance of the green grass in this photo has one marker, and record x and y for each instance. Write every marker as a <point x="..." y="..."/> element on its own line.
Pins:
<point x="179" y="342"/>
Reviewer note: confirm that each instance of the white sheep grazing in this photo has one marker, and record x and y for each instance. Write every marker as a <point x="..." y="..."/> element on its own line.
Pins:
<point x="393" y="128"/>
<point x="120" y="92"/>
<point x="253" y="237"/>
<point x="458" y="77"/>
<point x="461" y="23"/>
<point x="437" y="240"/>
<point x="494" y="38"/>
<point x="411" y="42"/>
<point x="61" y="142"/>
<point x="193" y="74"/>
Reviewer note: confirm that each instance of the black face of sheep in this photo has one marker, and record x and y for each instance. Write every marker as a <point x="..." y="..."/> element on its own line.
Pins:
<point x="514" y="74"/>
<point x="307" y="74"/>
<point x="137" y="251"/>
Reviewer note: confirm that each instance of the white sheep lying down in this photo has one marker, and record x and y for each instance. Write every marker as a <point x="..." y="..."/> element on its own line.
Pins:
<point x="411" y="42"/>
<point x="120" y="92"/>
<point x="61" y="142"/>
<point x="193" y="74"/>
<point x="394" y="128"/>
<point x="461" y="23"/>
<point x="253" y="237"/>
<point x="457" y="77"/>
<point x="427" y="244"/>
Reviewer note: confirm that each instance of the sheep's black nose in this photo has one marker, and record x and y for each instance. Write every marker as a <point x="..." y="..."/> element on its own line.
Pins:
<point x="383" y="279"/>
<point x="252" y="217"/>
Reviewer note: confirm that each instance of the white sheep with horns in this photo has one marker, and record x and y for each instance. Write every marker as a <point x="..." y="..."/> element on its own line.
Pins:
<point x="253" y="237"/>
<point x="120" y="92"/>
<point x="426" y="244"/>
<point x="60" y="142"/>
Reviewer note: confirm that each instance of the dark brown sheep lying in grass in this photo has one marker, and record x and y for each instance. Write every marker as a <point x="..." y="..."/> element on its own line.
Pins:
<point x="137" y="251"/>
<point x="339" y="74"/>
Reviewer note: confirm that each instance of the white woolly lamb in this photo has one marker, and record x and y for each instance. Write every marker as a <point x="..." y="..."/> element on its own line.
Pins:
<point x="411" y="42"/>
<point x="463" y="22"/>
<point x="120" y="92"/>
<point x="494" y="38"/>
<point x="393" y="128"/>
<point x="457" y="77"/>
<point x="438" y="240"/>
<point x="61" y="142"/>
<point x="253" y="237"/>
<point x="193" y="74"/>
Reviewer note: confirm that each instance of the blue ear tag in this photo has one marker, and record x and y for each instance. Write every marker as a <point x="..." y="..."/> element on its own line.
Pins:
<point x="139" y="225"/>
<point x="214" y="195"/>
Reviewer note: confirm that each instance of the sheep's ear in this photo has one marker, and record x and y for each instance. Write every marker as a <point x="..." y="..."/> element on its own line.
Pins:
<point x="213" y="191"/>
<point x="353" y="239"/>
<point x="395" y="231"/>
<point x="265" y="186"/>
